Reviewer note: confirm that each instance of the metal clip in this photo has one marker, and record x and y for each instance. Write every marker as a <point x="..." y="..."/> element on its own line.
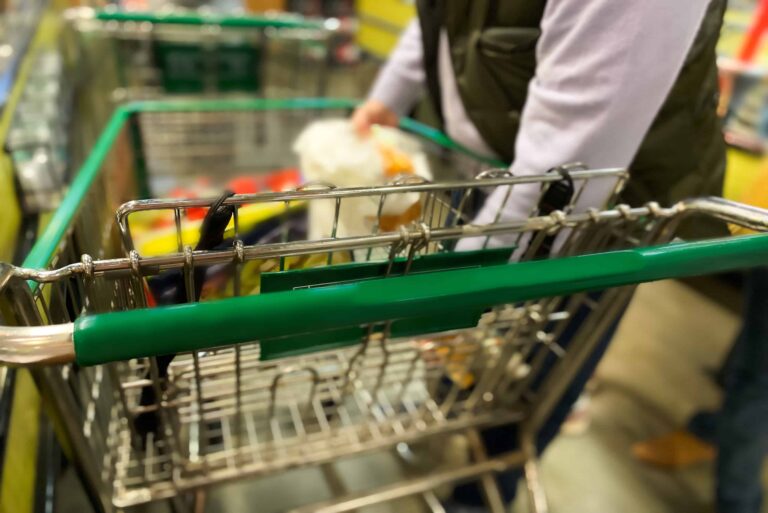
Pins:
<point x="87" y="262"/>
<point x="626" y="212"/>
<point x="135" y="260"/>
<point x="654" y="209"/>
<point x="493" y="173"/>
<point x="239" y="251"/>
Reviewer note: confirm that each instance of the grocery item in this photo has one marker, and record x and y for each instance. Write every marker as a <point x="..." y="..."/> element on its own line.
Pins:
<point x="332" y="153"/>
<point x="756" y="195"/>
<point x="154" y="232"/>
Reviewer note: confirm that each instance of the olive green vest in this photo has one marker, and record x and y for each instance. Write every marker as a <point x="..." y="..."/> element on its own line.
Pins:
<point x="492" y="46"/>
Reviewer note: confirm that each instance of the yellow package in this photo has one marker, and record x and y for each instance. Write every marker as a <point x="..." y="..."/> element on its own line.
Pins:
<point x="756" y="196"/>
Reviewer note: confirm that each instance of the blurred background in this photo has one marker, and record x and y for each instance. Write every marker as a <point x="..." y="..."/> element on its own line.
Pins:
<point x="66" y="65"/>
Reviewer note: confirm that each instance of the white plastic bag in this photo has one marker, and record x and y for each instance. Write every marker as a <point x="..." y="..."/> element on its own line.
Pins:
<point x="331" y="152"/>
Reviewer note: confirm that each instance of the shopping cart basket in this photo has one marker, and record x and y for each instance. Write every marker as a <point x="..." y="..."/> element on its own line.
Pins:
<point x="390" y="337"/>
<point x="180" y="52"/>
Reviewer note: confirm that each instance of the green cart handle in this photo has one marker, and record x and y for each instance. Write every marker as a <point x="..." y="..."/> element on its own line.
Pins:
<point x="102" y="338"/>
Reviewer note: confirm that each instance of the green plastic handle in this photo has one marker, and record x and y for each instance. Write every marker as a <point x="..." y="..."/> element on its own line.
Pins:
<point x="152" y="332"/>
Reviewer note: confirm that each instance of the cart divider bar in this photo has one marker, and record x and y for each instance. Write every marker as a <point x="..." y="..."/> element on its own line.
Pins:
<point x="742" y="215"/>
<point x="355" y="192"/>
<point x="297" y="248"/>
<point x="150" y="332"/>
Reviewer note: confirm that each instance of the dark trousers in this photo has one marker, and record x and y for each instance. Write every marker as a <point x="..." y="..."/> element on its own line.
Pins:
<point x="740" y="428"/>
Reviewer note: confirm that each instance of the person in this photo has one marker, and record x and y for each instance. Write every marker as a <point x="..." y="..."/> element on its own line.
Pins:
<point x="736" y="436"/>
<point x="542" y="83"/>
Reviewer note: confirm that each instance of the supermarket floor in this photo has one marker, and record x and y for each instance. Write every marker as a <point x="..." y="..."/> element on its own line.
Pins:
<point x="655" y="375"/>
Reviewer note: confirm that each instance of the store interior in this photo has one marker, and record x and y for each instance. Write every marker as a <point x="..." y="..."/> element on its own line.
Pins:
<point x="128" y="126"/>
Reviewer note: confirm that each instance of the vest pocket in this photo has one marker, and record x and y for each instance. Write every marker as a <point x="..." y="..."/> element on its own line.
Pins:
<point x="507" y="56"/>
<point x="503" y="42"/>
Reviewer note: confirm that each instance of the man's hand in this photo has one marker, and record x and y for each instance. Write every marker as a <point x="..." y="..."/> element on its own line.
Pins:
<point x="372" y="112"/>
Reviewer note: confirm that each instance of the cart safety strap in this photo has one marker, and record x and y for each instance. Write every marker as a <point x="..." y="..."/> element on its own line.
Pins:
<point x="557" y="196"/>
<point x="211" y="235"/>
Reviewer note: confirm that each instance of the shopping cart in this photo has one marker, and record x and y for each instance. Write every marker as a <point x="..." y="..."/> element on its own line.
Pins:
<point x="343" y="344"/>
<point x="91" y="60"/>
<point x="192" y="53"/>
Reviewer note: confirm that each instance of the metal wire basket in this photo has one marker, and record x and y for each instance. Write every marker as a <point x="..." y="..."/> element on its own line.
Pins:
<point x="188" y="53"/>
<point x="348" y="343"/>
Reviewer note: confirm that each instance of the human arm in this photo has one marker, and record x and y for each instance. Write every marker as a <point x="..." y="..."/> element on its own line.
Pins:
<point x="604" y="70"/>
<point x="399" y="84"/>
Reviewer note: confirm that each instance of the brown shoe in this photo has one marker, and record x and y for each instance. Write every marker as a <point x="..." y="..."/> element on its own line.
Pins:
<point x="674" y="450"/>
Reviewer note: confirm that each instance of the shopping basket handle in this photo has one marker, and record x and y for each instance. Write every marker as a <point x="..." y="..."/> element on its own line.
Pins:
<point x="175" y="329"/>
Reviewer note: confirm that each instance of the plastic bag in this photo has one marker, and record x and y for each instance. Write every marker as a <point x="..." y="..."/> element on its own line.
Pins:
<point x="331" y="152"/>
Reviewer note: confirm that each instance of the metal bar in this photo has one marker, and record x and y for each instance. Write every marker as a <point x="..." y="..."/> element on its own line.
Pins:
<point x="37" y="345"/>
<point x="202" y="426"/>
<point x="62" y="404"/>
<point x="730" y="211"/>
<point x="735" y="213"/>
<point x="488" y="481"/>
<point x="156" y="264"/>
<point x="414" y="485"/>
<point x="353" y="192"/>
<point x="537" y="500"/>
<point x="589" y="333"/>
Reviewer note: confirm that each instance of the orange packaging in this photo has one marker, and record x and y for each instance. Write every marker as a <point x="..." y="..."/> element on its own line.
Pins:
<point x="392" y="222"/>
<point x="264" y="5"/>
<point x="395" y="162"/>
